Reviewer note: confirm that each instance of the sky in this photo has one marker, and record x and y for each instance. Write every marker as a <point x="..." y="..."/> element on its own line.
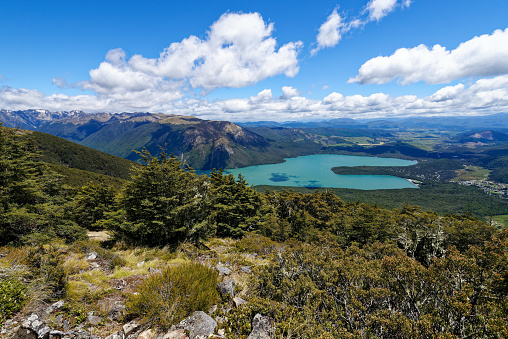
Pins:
<point x="256" y="60"/>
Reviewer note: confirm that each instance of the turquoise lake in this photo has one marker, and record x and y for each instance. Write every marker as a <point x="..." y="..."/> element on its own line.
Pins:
<point x="315" y="171"/>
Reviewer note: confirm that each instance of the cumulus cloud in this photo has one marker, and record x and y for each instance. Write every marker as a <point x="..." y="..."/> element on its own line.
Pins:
<point x="239" y="51"/>
<point x="330" y="32"/>
<point x="289" y="91"/>
<point x="485" y="96"/>
<point x="482" y="56"/>
<point x="263" y="96"/>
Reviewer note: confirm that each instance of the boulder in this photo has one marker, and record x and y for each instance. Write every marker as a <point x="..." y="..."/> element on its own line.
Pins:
<point x="223" y="270"/>
<point x="175" y="334"/>
<point x="25" y="333"/>
<point x="226" y="288"/>
<point x="55" y="307"/>
<point x="91" y="256"/>
<point x="117" y="312"/>
<point x="200" y="325"/>
<point x="245" y="269"/>
<point x="130" y="327"/>
<point x="94" y="320"/>
<point x="147" y="334"/>
<point x="262" y="327"/>
<point x="117" y="335"/>
<point x="238" y="301"/>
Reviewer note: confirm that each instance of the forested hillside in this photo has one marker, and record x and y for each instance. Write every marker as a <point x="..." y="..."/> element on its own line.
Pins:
<point x="312" y="264"/>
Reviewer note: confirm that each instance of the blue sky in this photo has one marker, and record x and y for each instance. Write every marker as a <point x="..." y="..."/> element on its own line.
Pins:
<point x="256" y="60"/>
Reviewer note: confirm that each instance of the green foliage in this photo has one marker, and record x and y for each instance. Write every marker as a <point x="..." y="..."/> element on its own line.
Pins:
<point x="104" y="255"/>
<point x="59" y="151"/>
<point x="378" y="291"/>
<point x="92" y="201"/>
<point x="32" y="199"/>
<point x="165" y="299"/>
<point x="46" y="267"/>
<point x="442" y="198"/>
<point x="163" y="204"/>
<point x="12" y="297"/>
<point x="235" y="208"/>
<point x="436" y="170"/>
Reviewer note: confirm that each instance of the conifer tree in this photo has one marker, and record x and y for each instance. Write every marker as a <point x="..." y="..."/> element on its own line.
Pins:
<point x="236" y="208"/>
<point x="32" y="199"/>
<point x="163" y="204"/>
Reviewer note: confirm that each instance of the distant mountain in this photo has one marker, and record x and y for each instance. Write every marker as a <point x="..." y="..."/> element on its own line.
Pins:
<point x="452" y="123"/>
<point x="32" y="118"/>
<point x="202" y="144"/>
<point x="482" y="136"/>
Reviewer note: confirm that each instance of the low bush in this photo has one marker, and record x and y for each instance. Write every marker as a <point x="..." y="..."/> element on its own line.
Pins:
<point x="167" y="298"/>
<point x="12" y="297"/>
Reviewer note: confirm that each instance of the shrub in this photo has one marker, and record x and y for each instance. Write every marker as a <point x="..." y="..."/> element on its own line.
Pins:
<point x="12" y="297"/>
<point x="167" y="298"/>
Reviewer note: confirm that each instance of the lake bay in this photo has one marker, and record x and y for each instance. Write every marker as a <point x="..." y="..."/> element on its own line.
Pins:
<point x="315" y="171"/>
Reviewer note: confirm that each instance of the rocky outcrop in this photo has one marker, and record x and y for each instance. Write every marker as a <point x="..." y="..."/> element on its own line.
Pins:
<point x="262" y="327"/>
<point x="227" y="288"/>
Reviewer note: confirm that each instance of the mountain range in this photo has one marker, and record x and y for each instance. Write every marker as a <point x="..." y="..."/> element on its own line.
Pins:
<point x="201" y="144"/>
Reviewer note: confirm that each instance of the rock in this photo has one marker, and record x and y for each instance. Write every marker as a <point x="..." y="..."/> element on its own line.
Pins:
<point x="262" y="327"/>
<point x="43" y="332"/>
<point x="117" y="312"/>
<point x="139" y="264"/>
<point x="55" y="307"/>
<point x="94" y="320"/>
<point x="82" y="334"/>
<point x="245" y="269"/>
<point x="117" y="335"/>
<point x="130" y="327"/>
<point x="200" y="325"/>
<point x="56" y="334"/>
<point x="35" y="325"/>
<point x="148" y="334"/>
<point x="226" y="288"/>
<point x="59" y="320"/>
<point x="175" y="334"/>
<point x="223" y="270"/>
<point x="91" y="256"/>
<point x="25" y="333"/>
<point x="153" y="270"/>
<point x="238" y="301"/>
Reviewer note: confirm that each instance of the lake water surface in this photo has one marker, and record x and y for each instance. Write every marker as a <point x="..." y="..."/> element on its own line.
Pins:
<point x="315" y="171"/>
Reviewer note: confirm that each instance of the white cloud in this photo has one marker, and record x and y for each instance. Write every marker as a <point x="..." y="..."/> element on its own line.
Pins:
<point x="485" y="96"/>
<point x="335" y="26"/>
<point x="482" y="56"/>
<point x="263" y="96"/>
<point x="447" y="93"/>
<point x="378" y="9"/>
<point x="239" y="51"/>
<point x="330" y="32"/>
<point x="325" y="87"/>
<point x="289" y="91"/>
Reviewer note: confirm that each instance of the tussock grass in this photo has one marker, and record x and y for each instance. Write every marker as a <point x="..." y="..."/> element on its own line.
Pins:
<point x="168" y="297"/>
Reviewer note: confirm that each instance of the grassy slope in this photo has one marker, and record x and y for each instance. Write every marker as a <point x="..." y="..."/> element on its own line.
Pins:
<point x="61" y="152"/>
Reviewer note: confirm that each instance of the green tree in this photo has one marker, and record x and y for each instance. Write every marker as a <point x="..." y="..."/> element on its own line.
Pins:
<point x="32" y="199"/>
<point x="91" y="203"/>
<point x="162" y="204"/>
<point x="235" y="208"/>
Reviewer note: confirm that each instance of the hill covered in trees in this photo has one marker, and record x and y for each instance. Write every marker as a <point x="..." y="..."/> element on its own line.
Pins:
<point x="312" y="264"/>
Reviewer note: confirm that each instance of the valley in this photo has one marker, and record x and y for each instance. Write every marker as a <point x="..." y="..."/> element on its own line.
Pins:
<point x="90" y="241"/>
